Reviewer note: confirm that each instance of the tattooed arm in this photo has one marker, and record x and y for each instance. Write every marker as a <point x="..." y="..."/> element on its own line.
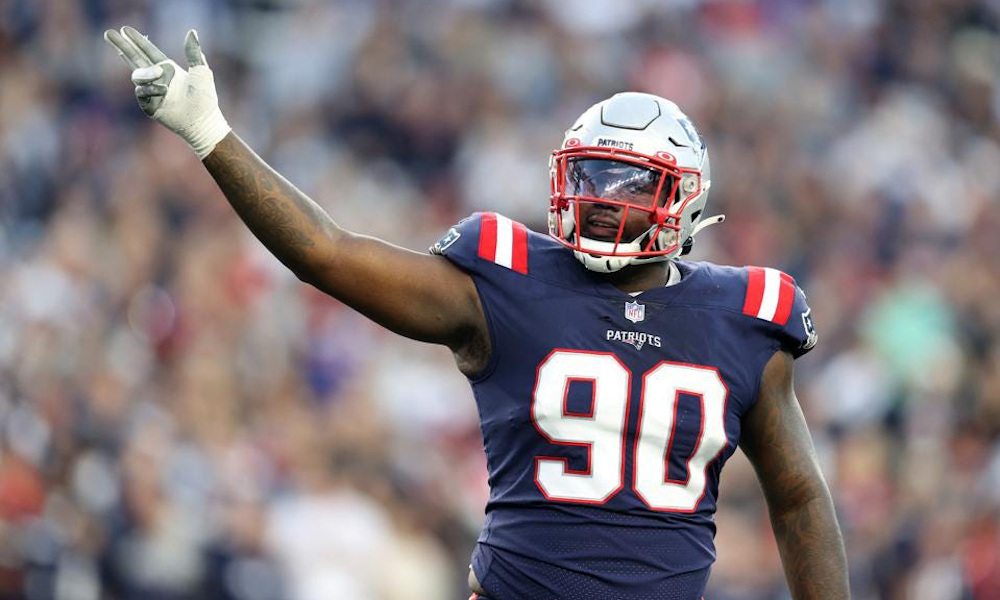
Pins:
<point x="418" y="295"/>
<point x="777" y="442"/>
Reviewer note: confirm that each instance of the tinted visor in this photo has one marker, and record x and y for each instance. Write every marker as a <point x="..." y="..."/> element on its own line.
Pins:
<point x="614" y="180"/>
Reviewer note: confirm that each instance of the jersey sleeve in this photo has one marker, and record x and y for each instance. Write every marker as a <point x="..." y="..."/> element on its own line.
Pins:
<point x="484" y="241"/>
<point x="799" y="334"/>
<point x="773" y="296"/>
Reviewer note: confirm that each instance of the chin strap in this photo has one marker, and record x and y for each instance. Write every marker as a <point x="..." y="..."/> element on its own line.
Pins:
<point x="689" y="243"/>
<point x="706" y="222"/>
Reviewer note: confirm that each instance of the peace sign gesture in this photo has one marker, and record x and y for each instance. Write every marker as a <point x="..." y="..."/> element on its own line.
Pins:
<point x="185" y="102"/>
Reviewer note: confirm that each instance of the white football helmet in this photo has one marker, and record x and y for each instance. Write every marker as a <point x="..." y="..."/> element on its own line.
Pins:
<point x="631" y="141"/>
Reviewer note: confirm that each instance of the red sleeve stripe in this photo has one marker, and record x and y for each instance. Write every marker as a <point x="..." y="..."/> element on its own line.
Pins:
<point x="504" y="242"/>
<point x="770" y="295"/>
<point x="519" y="260"/>
<point x="488" y="236"/>
<point x="786" y="297"/>
<point x="755" y="291"/>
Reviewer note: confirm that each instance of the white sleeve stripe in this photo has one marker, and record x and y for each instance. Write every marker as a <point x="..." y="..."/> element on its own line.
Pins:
<point x="772" y="291"/>
<point x="505" y="241"/>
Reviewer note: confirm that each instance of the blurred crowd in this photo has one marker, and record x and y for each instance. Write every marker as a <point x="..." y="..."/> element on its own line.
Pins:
<point x="181" y="418"/>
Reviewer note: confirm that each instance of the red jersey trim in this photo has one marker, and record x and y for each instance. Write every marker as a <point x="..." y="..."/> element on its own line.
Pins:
<point x="503" y="242"/>
<point x="770" y="294"/>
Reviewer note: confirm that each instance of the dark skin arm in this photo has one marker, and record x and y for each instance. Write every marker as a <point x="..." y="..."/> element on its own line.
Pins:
<point x="777" y="442"/>
<point x="420" y="296"/>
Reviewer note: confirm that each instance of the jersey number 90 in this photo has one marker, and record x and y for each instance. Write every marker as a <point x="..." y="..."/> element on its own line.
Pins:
<point x="603" y="430"/>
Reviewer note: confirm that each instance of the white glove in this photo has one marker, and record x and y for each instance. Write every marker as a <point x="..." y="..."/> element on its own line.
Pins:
<point x="185" y="102"/>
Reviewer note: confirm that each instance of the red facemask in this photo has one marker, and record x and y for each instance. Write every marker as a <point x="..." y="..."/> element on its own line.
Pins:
<point x="623" y="182"/>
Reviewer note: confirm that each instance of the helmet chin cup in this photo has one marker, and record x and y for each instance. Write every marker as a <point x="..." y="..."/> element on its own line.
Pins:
<point x="610" y="264"/>
<point x="608" y="257"/>
<point x="601" y="264"/>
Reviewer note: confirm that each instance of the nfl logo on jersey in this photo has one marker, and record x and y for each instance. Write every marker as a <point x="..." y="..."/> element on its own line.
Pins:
<point x="634" y="311"/>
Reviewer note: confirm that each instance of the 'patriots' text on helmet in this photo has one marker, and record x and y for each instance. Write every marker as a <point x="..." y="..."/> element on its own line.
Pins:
<point x="632" y="152"/>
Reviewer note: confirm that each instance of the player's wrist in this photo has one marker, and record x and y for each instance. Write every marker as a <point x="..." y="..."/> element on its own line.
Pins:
<point x="206" y="132"/>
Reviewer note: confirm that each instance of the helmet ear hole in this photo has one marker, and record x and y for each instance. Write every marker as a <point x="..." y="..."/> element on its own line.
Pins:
<point x="687" y="246"/>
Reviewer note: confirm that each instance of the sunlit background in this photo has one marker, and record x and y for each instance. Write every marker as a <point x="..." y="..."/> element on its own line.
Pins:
<point x="181" y="418"/>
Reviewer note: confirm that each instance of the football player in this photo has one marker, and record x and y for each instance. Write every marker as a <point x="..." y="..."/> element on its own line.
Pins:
<point x="613" y="380"/>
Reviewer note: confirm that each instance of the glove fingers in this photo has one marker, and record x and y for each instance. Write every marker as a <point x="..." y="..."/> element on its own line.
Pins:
<point x="140" y="41"/>
<point x="144" y="75"/>
<point x="192" y="49"/>
<point x="126" y="49"/>
<point x="150" y="90"/>
<point x="150" y="98"/>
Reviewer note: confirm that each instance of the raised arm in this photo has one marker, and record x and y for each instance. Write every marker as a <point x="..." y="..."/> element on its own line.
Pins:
<point x="421" y="296"/>
<point x="777" y="442"/>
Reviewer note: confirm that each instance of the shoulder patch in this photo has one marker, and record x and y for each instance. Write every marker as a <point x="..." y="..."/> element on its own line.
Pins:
<point x="807" y="325"/>
<point x="503" y="242"/>
<point x="770" y="295"/>
<point x="446" y="241"/>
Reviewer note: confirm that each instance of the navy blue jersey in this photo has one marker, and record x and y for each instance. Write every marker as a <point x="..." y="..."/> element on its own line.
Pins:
<point x="607" y="417"/>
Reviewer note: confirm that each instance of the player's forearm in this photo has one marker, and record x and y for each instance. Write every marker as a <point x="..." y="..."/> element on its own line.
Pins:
<point x="812" y="549"/>
<point x="293" y="227"/>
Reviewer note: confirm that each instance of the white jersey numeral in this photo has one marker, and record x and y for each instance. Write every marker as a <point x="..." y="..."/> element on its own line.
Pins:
<point x="603" y="430"/>
<point x="600" y="431"/>
<point x="661" y="390"/>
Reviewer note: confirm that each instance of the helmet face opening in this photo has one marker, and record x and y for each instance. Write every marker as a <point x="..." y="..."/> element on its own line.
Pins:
<point x="615" y="181"/>
<point x="621" y="183"/>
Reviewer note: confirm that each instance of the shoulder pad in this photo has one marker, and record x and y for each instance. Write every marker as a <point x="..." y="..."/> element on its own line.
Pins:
<point x="489" y="237"/>
<point x="773" y="296"/>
